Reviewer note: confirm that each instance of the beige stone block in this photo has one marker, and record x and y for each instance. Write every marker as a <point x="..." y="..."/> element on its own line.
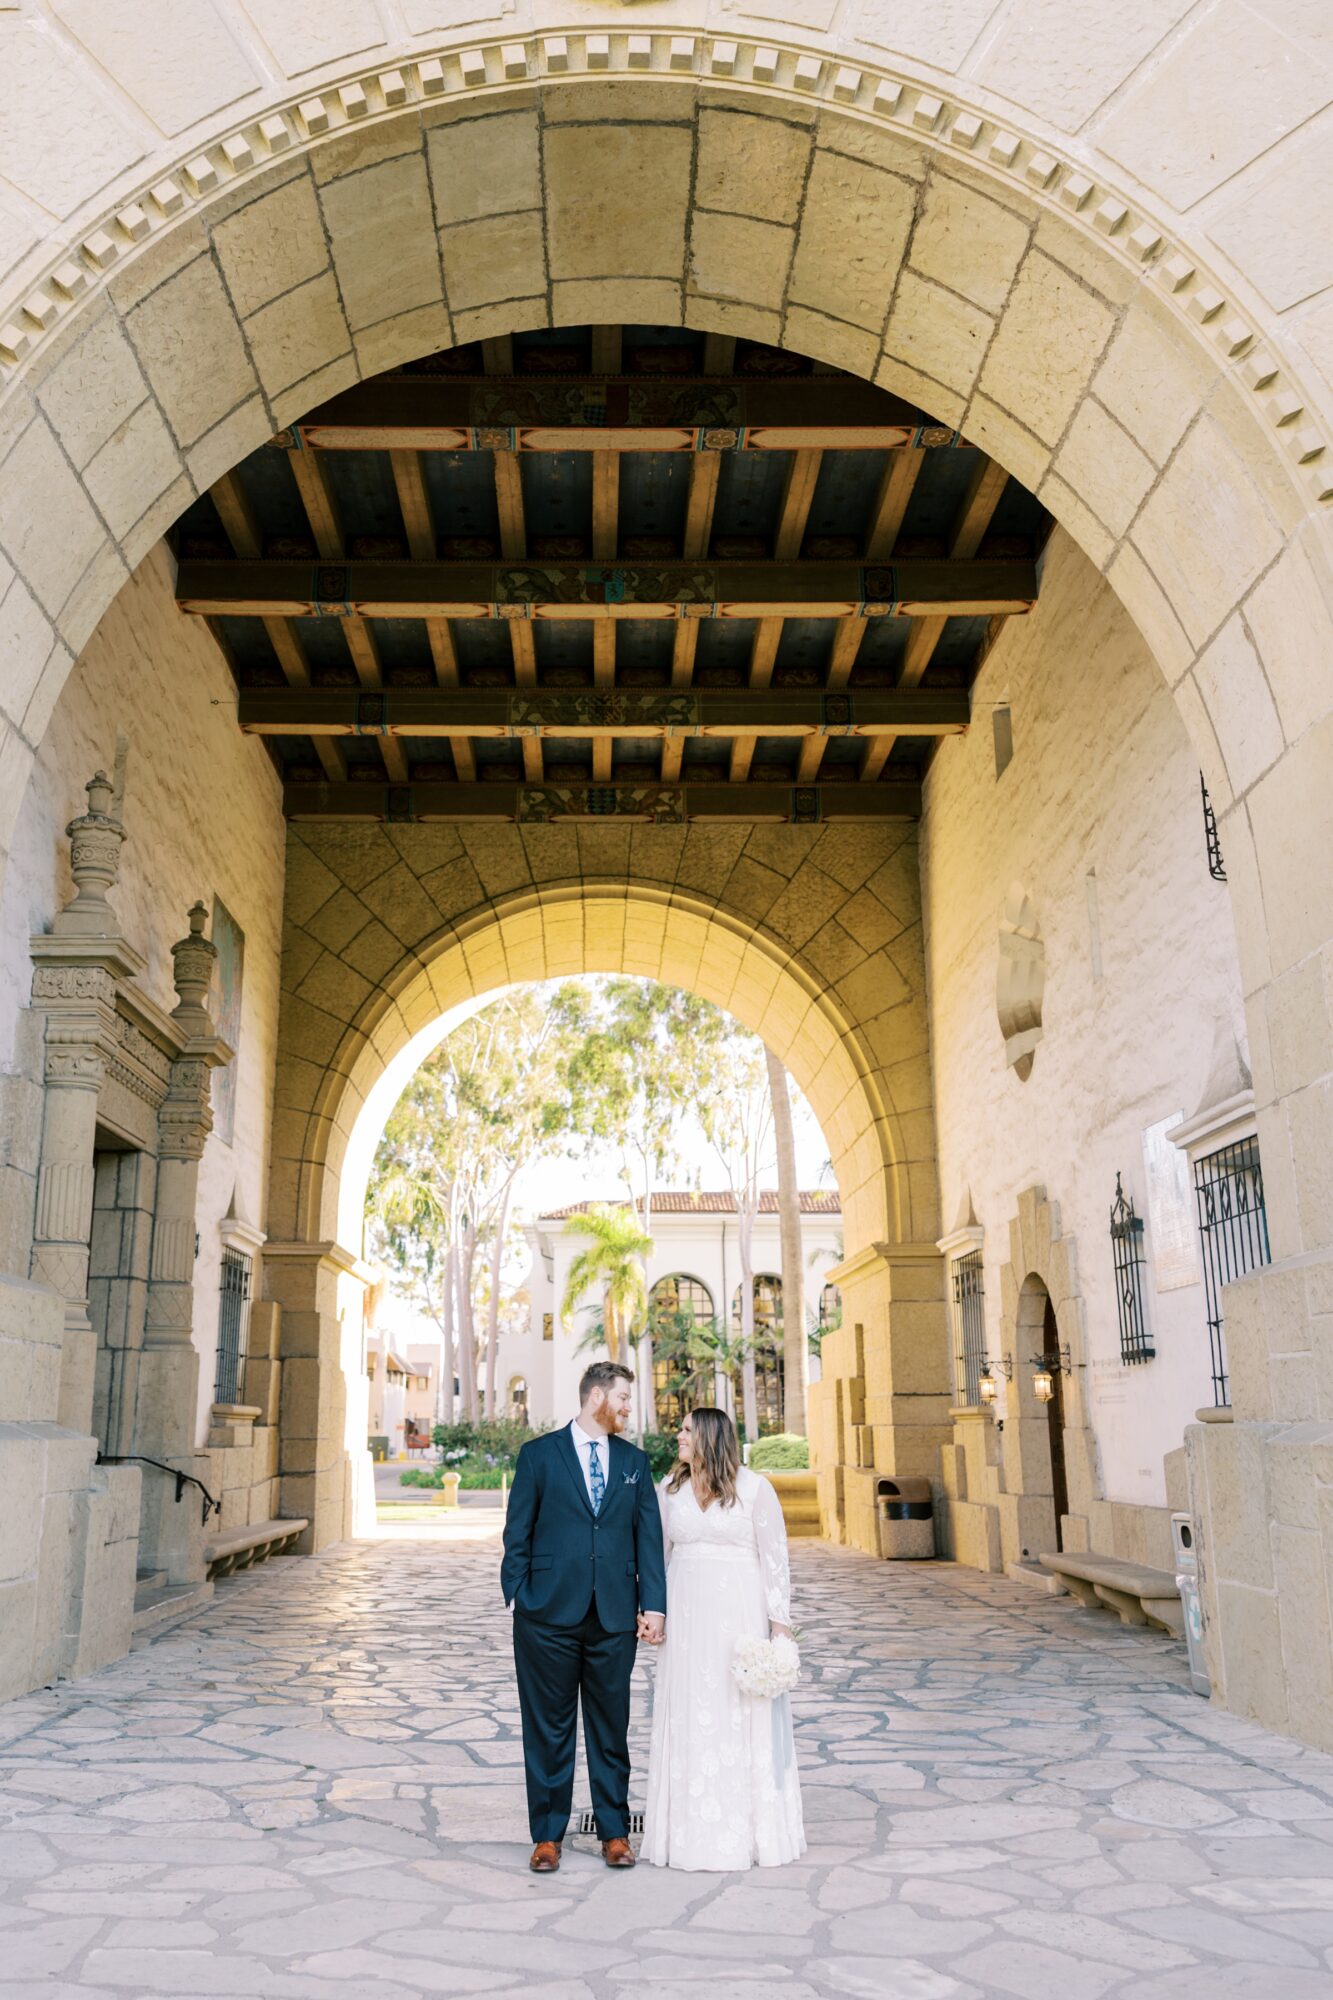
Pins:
<point x="1153" y="380"/>
<point x="65" y="136"/>
<point x="503" y="258"/>
<point x="1240" y="707"/>
<point x="1244" y="91"/>
<point x="854" y="228"/>
<point x="513" y="316"/>
<point x="831" y="340"/>
<point x="299" y="334"/>
<point x="191" y="348"/>
<point x="134" y="467"/>
<point x="1006" y="440"/>
<point x="593" y="302"/>
<point x="311" y="390"/>
<point x="1284" y="613"/>
<point x="47" y="528"/>
<point x="239" y="433"/>
<point x="1149" y="606"/>
<point x="967" y="242"/>
<point x="1077" y="520"/>
<point x="617" y="199"/>
<point x="1088" y="257"/>
<point x="750" y="165"/>
<point x="1248" y="1635"/>
<point x="586" y="99"/>
<point x="271" y="246"/>
<point x="406" y="337"/>
<point x="733" y="257"/>
<point x="383" y="271"/>
<point x="937" y="333"/>
<point x="1101" y="463"/>
<point x="486" y="166"/>
<point x="365" y="144"/>
<point x="1048" y="343"/>
<point x="721" y="316"/>
<point x="1205" y="533"/>
<point x="945" y="406"/>
<point x="92" y="389"/>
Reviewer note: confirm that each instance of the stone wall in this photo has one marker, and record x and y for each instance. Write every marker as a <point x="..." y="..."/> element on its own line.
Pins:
<point x="203" y="809"/>
<point x="1095" y="828"/>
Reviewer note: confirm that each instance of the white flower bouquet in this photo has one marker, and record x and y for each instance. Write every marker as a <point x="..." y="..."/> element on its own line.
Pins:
<point x="766" y="1668"/>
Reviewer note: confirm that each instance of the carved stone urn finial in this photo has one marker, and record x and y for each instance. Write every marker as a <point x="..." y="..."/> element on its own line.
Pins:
<point x="193" y="958"/>
<point x="95" y="841"/>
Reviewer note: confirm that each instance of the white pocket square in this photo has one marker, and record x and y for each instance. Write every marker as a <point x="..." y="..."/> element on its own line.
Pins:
<point x="630" y="1478"/>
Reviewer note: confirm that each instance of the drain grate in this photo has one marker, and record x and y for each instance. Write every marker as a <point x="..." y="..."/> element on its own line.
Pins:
<point x="587" y="1823"/>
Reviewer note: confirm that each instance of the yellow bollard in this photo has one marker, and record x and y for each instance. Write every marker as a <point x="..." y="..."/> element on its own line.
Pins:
<point x="449" y="1486"/>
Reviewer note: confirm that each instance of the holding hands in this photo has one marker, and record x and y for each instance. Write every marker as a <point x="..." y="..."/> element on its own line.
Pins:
<point x="651" y="1627"/>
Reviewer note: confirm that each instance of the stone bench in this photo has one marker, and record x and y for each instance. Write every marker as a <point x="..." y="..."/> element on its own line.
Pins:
<point x="240" y="1548"/>
<point x="1140" y="1594"/>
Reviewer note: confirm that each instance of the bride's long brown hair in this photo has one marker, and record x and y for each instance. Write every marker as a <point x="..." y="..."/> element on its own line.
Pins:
<point x="717" y="1453"/>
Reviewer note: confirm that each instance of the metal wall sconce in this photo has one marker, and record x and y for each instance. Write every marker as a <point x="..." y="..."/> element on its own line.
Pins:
<point x="1047" y="1366"/>
<point x="987" y="1385"/>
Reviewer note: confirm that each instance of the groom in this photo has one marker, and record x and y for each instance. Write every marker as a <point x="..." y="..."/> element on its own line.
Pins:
<point x="584" y="1575"/>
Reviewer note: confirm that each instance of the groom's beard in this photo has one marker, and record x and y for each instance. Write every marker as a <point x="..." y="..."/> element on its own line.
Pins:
<point x="611" y="1421"/>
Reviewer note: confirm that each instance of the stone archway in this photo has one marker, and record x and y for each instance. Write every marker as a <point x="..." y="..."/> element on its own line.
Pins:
<point x="851" y="1032"/>
<point x="1054" y="305"/>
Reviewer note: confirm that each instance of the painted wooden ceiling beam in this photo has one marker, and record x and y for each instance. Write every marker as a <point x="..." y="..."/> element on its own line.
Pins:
<point x="915" y="588"/>
<point x="535" y="805"/>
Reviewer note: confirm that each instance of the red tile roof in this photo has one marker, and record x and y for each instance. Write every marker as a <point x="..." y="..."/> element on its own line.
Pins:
<point x="821" y="1202"/>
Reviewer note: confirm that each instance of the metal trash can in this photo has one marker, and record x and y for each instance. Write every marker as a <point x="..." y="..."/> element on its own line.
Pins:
<point x="1187" y="1583"/>
<point x="906" y="1518"/>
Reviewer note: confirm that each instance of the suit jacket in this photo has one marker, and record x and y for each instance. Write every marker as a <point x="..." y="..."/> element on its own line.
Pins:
<point x="560" y="1558"/>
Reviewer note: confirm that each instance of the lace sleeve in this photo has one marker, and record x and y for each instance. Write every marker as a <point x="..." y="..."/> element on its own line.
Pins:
<point x="770" y="1532"/>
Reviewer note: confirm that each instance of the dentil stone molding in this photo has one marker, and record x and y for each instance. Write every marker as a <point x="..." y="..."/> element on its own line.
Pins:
<point x="945" y="123"/>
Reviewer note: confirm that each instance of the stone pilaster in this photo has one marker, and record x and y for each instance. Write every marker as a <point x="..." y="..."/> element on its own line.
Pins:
<point x="323" y="1457"/>
<point x="77" y="968"/>
<point x="888" y="1376"/>
<point x="171" y="1535"/>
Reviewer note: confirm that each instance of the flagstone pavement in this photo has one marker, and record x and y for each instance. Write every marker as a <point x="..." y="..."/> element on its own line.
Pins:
<point x="312" y="1791"/>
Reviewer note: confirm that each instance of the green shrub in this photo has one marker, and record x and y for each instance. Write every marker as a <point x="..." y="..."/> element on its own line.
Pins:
<point x="661" y="1449"/>
<point x="420" y="1475"/>
<point x="782" y="1453"/>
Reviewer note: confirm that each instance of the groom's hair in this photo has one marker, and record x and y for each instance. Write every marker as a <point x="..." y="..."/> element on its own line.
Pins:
<point x="602" y="1375"/>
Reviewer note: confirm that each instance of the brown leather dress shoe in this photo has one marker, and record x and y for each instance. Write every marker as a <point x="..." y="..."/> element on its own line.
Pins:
<point x="545" y="1857"/>
<point x="618" y="1853"/>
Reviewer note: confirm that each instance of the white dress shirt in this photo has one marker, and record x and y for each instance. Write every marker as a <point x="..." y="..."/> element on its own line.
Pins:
<point x="582" y="1445"/>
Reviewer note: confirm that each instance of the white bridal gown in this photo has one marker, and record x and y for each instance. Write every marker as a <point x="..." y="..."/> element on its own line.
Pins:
<point x="723" y="1789"/>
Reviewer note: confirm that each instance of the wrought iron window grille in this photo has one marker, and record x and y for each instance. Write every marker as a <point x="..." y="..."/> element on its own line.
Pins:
<point x="1128" y="1257"/>
<point x="1216" y="866"/>
<point x="233" y="1312"/>
<point x="969" y="1322"/>
<point x="1233" y="1236"/>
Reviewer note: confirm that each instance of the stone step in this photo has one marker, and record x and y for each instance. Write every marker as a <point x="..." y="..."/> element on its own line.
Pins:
<point x="162" y="1605"/>
<point x="148" y="1579"/>
<point x="804" y="1531"/>
<point x="1039" y="1578"/>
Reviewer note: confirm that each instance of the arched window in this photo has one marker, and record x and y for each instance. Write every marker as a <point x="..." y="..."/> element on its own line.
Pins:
<point x="830" y="1309"/>
<point x="682" y="1372"/>
<point x="518" y="1400"/>
<point x="768" y="1366"/>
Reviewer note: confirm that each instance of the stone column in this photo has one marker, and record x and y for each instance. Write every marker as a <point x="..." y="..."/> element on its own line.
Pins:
<point x="322" y="1454"/>
<point x="77" y="967"/>
<point x="172" y="1537"/>
<point x="890" y="1370"/>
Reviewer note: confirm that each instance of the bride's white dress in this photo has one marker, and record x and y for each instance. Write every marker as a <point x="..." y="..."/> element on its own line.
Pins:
<point x="723" y="1789"/>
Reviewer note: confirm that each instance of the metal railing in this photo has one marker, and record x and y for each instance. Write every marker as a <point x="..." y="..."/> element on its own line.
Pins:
<point x="1233" y="1235"/>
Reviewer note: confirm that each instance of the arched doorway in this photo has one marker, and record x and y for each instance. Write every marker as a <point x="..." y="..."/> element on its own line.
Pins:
<point x="683" y="1375"/>
<point x="1040" y="1459"/>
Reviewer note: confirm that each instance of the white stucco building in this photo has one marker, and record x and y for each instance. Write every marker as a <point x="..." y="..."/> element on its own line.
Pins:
<point x="695" y="1261"/>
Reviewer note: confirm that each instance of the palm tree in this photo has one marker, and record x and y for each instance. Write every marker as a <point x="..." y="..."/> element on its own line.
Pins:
<point x="614" y="1262"/>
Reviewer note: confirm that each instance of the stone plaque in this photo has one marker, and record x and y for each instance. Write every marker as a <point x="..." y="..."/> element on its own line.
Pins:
<point x="1173" y="1237"/>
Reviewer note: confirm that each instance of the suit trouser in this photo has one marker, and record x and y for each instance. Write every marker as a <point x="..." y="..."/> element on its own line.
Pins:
<point x="557" y="1666"/>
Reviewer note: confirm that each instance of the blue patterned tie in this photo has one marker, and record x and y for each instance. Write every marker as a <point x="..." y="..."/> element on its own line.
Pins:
<point x="595" y="1474"/>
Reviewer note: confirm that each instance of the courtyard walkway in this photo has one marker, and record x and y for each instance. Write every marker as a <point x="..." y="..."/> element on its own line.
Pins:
<point x="313" y="1792"/>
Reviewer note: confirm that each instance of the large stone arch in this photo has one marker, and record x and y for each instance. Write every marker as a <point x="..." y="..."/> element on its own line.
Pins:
<point x="1065" y="323"/>
<point x="809" y="936"/>
<point x="1149" y="352"/>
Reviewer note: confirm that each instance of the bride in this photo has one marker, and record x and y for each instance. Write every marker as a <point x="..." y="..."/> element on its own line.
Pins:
<point x="723" y="1789"/>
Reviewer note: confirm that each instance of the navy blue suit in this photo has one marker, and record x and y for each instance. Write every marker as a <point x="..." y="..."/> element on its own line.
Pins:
<point x="577" y="1581"/>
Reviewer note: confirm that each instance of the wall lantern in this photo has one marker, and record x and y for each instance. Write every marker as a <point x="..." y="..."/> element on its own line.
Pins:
<point x="988" y="1386"/>
<point x="1047" y="1366"/>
